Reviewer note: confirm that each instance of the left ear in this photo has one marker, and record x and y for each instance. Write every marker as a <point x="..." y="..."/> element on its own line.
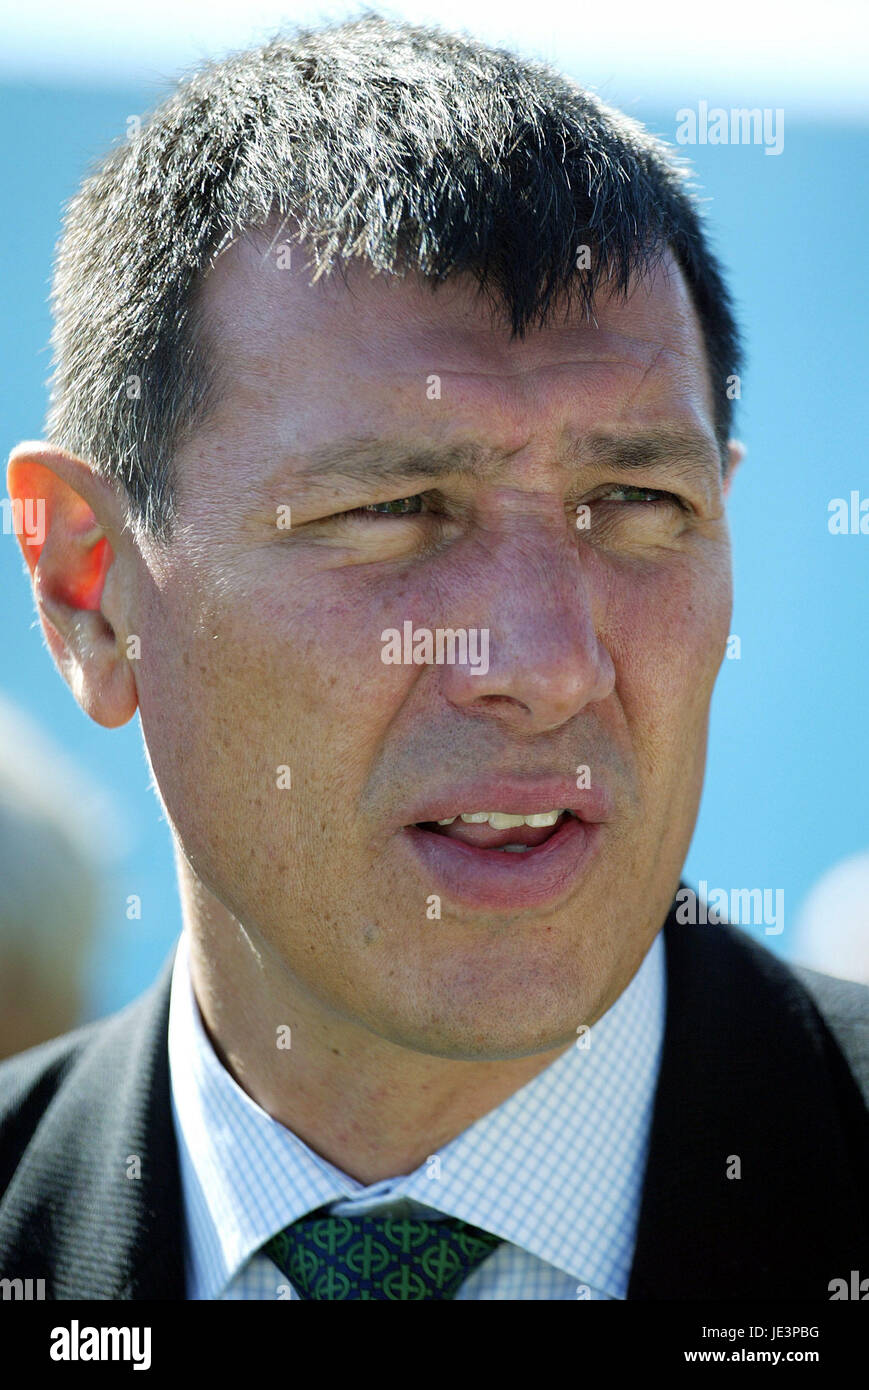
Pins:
<point x="73" y="524"/>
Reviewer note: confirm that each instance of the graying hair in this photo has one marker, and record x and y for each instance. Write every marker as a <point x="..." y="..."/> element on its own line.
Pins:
<point x="402" y="144"/>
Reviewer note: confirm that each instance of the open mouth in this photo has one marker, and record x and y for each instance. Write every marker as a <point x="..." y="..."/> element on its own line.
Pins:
<point x="501" y="832"/>
<point x="531" y="853"/>
<point x="504" y="861"/>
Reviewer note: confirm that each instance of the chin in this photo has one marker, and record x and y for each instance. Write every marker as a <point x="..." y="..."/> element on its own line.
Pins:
<point x="466" y="1043"/>
<point x="480" y="1026"/>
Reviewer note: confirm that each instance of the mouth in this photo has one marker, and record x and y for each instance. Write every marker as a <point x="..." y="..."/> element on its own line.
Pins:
<point x="504" y="861"/>
<point x="500" y="832"/>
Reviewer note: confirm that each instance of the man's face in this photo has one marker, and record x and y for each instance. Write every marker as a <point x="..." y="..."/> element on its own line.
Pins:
<point x="262" y="646"/>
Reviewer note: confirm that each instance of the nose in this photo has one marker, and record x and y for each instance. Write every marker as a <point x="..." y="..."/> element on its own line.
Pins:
<point x="536" y="597"/>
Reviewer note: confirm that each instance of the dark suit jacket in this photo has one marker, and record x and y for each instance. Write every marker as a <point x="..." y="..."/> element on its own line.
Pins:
<point x="760" y="1061"/>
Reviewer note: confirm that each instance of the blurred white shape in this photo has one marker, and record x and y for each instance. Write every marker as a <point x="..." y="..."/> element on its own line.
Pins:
<point x="40" y="774"/>
<point x="832" y="930"/>
<point x="58" y="831"/>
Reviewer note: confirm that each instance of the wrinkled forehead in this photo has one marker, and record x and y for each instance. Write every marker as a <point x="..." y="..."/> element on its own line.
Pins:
<point x="259" y="303"/>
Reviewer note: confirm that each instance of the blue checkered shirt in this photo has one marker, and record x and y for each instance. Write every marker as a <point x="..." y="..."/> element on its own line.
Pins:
<point x="556" y="1170"/>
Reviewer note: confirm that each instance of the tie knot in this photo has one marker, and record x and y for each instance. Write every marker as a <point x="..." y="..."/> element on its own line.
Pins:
<point x="397" y="1258"/>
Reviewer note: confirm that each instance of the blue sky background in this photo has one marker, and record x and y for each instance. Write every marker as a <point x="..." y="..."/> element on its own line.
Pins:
<point x="785" y="794"/>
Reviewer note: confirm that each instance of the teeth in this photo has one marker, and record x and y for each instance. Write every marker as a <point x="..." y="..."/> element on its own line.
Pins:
<point x="513" y="849"/>
<point x="500" y="820"/>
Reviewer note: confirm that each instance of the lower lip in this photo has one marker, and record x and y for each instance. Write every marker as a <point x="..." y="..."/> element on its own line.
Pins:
<point x="495" y="879"/>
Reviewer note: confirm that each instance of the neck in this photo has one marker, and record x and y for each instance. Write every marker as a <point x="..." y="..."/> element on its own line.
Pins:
<point x="370" y="1107"/>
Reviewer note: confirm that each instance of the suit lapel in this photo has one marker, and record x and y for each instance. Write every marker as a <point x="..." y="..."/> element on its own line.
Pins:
<point x="748" y="1083"/>
<point x="95" y="1204"/>
<point x="749" y="1073"/>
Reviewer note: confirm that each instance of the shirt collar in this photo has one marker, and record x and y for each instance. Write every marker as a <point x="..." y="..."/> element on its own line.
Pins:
<point x="556" y="1169"/>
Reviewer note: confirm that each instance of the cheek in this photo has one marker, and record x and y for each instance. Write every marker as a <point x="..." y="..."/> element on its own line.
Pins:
<point x="666" y="629"/>
<point x="271" y="675"/>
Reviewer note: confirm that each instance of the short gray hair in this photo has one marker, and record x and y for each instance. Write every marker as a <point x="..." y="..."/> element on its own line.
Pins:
<point x="399" y="143"/>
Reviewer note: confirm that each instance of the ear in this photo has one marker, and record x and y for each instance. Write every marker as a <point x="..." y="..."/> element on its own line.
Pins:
<point x="736" y="452"/>
<point x="63" y="514"/>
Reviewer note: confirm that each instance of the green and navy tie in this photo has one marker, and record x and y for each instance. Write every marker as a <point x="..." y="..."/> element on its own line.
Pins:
<point x="397" y="1258"/>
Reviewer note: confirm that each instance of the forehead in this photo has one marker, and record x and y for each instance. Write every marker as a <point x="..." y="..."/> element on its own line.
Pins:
<point x="367" y="345"/>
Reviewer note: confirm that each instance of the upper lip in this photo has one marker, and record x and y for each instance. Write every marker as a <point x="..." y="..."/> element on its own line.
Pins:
<point x="515" y="796"/>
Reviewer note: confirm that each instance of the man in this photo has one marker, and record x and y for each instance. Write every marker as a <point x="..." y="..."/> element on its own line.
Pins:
<point x="421" y="598"/>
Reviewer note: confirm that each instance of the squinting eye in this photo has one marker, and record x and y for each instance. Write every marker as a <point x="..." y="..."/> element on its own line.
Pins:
<point x="644" y="494"/>
<point x="394" y="508"/>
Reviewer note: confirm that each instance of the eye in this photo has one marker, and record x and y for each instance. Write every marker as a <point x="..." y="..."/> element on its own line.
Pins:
<point x="648" y="495"/>
<point x="400" y="506"/>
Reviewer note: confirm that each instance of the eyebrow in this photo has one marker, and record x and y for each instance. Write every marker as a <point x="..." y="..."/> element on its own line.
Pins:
<point x="369" y="458"/>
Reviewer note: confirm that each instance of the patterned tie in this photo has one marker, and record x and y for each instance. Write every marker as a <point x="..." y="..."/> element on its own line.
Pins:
<point x="398" y="1258"/>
